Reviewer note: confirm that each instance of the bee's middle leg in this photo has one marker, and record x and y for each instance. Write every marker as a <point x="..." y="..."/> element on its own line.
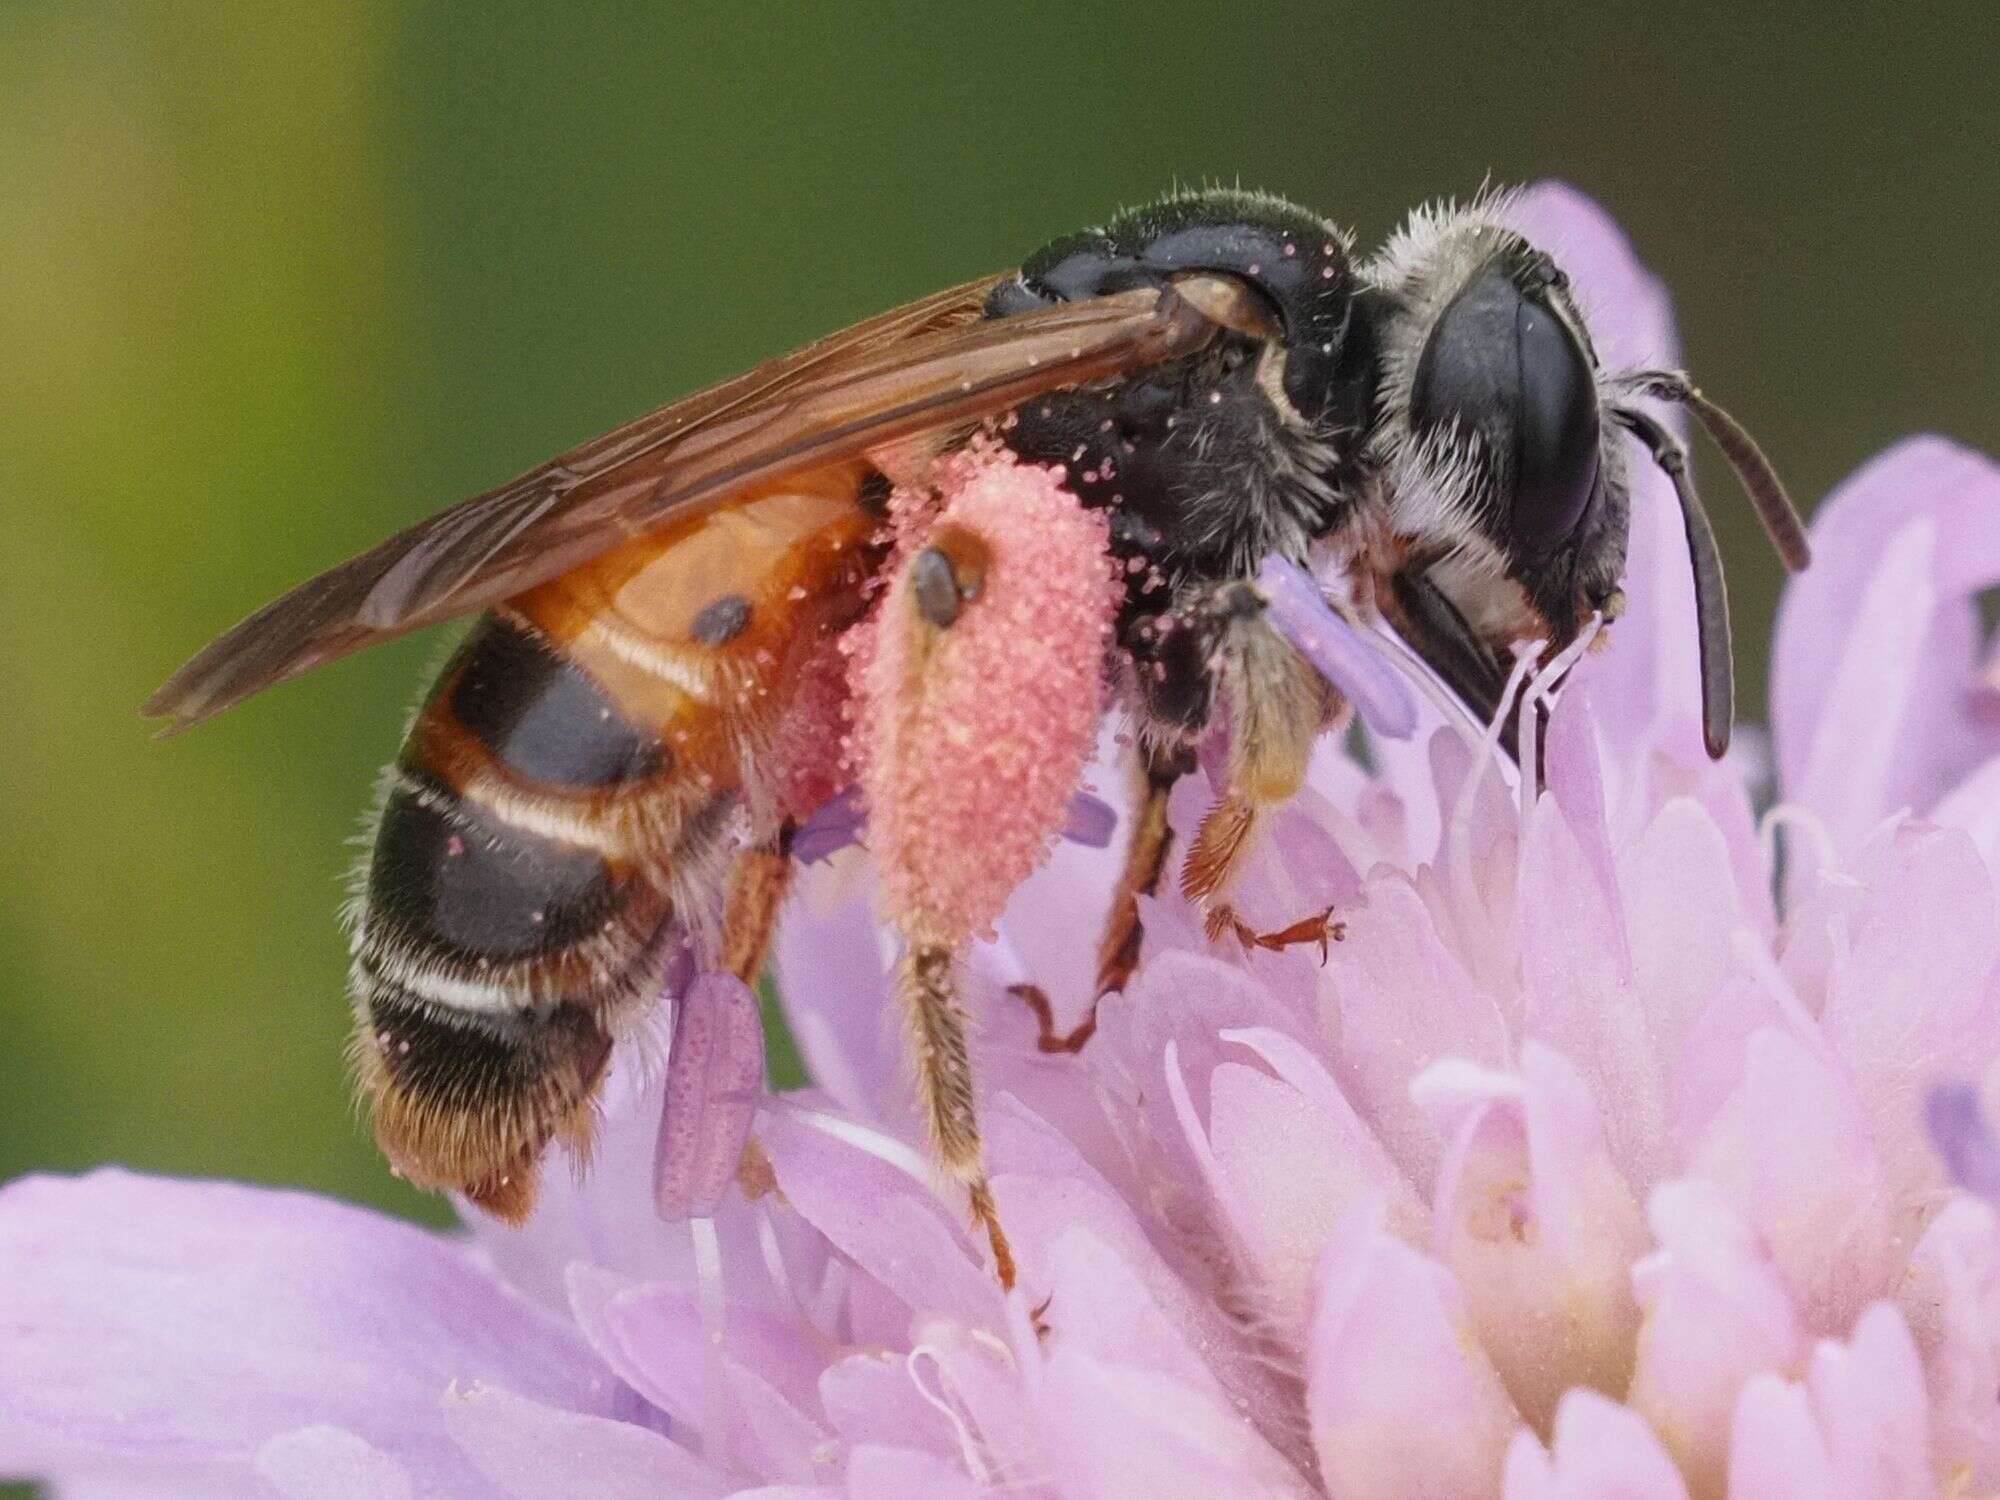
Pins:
<point x="1145" y="860"/>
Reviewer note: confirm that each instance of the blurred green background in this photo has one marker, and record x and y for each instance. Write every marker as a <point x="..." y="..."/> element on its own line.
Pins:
<point x="276" y="279"/>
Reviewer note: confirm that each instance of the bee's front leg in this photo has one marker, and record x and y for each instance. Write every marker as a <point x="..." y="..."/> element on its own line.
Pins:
<point x="1278" y="707"/>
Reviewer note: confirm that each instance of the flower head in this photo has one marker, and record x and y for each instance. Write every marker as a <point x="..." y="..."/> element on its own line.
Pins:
<point x="1593" y="1160"/>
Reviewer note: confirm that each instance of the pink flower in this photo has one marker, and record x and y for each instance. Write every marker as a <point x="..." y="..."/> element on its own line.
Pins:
<point x="1593" y="1162"/>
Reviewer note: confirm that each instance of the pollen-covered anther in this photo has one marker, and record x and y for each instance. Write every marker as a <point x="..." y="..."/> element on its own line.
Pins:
<point x="979" y="688"/>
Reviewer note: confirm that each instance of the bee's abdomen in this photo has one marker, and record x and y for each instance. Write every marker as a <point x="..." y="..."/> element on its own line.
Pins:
<point x="555" y="825"/>
<point x="542" y="717"/>
<point x="506" y="926"/>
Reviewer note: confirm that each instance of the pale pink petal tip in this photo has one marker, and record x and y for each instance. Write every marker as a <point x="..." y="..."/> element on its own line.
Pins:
<point x="1336" y="649"/>
<point x="715" y="1080"/>
<point x="1963" y="1137"/>
<point x="973" y="737"/>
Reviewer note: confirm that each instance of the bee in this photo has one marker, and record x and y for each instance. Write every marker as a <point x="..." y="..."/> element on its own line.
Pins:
<point x="610" y="763"/>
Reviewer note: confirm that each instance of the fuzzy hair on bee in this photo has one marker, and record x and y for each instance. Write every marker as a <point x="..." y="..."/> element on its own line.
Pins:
<point x="1448" y="485"/>
<point x="1498" y="463"/>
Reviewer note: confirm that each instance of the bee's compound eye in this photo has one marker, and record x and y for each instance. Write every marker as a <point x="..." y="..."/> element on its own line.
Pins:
<point x="1502" y="365"/>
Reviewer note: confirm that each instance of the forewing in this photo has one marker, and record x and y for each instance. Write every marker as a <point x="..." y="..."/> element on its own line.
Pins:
<point x="929" y="365"/>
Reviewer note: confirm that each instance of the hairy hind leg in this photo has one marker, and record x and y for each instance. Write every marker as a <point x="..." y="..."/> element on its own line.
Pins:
<point x="927" y="988"/>
<point x="759" y="879"/>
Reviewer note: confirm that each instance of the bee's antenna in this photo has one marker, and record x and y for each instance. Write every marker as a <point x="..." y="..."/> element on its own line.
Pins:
<point x="1760" y="481"/>
<point x="1711" y="593"/>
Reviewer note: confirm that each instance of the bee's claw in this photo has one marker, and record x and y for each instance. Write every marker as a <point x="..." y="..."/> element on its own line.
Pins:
<point x="1048" y="1039"/>
<point x="1320" y="928"/>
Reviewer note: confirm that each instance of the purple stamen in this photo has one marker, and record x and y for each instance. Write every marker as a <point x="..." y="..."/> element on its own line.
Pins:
<point x="1340" y="653"/>
<point x="715" y="1081"/>
<point x="1964" y="1138"/>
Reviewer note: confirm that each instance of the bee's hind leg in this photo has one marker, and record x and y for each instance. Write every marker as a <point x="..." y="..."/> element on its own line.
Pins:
<point x="759" y="879"/>
<point x="926" y="984"/>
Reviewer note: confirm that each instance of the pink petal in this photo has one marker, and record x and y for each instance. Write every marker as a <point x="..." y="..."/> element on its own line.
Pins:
<point x="1716" y="1314"/>
<point x="879" y="1473"/>
<point x="1875" y="654"/>
<point x="1290" y="1177"/>
<point x="1186" y="1000"/>
<point x="1602" y="1451"/>
<point x="833" y="974"/>
<point x="1776" y="1448"/>
<point x="1111" y="1429"/>
<point x="1951" y="1298"/>
<point x="1794" y="1156"/>
<point x="1974" y="806"/>
<point x="1575" y="779"/>
<point x="1683" y="911"/>
<point x="1473" y="887"/>
<point x="331" y="1463"/>
<point x="1848" y="773"/>
<point x="872" y="1397"/>
<point x="1723" y="792"/>
<point x="999" y="1429"/>
<point x="1391" y="1346"/>
<point x="1107" y="1310"/>
<point x="537" y="1452"/>
<point x="1114" y="1296"/>
<point x="1868" y="1395"/>
<point x="191" y="1323"/>
<point x="1540" y="1230"/>
<point x="1912" y="1000"/>
<point x="768" y="1435"/>
<point x="881" y="1220"/>
<point x="1708" y="1074"/>
<point x="653" y="1336"/>
<point x="715" y="1080"/>
<point x="1580" y="999"/>
<point x="1403" y="1001"/>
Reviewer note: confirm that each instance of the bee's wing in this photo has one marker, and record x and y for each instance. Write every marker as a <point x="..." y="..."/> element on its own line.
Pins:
<point x="930" y="364"/>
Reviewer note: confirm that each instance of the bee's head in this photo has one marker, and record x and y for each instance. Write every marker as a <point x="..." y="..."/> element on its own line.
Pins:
<point x="1505" y="386"/>
<point x="1501" y="475"/>
<point x="1504" y="477"/>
